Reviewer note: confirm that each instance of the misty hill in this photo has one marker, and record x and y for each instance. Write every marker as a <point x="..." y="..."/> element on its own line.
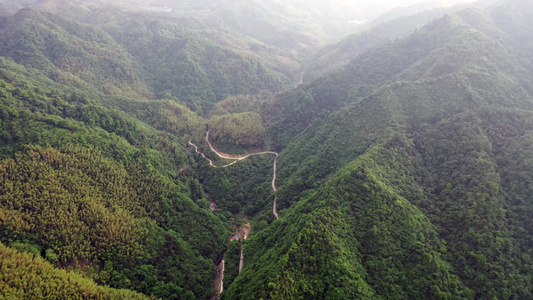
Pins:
<point x="185" y="60"/>
<point x="390" y="26"/>
<point x="399" y="179"/>
<point x="294" y="28"/>
<point x="301" y="26"/>
<point x="69" y="52"/>
<point x="425" y="6"/>
<point x="163" y="59"/>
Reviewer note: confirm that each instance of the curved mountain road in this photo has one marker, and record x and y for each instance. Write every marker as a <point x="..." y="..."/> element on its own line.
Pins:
<point x="237" y="159"/>
<point x="219" y="278"/>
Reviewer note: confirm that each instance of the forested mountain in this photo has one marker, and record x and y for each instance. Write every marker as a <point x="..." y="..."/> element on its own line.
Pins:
<point x="141" y="62"/>
<point x="422" y="7"/>
<point x="295" y="25"/>
<point x="69" y="52"/>
<point x="416" y="186"/>
<point x="212" y="65"/>
<point x="95" y="190"/>
<point x="390" y="26"/>
<point x="28" y="276"/>
<point x="405" y="174"/>
<point x="335" y="56"/>
<point x="96" y="177"/>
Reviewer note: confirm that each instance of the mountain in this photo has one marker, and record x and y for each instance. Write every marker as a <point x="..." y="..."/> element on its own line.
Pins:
<point x="393" y="25"/>
<point x="97" y="191"/>
<point x="212" y="65"/>
<point x="300" y="26"/>
<point x="97" y="177"/>
<point x="148" y="154"/>
<point x="90" y="188"/>
<point x="422" y="7"/>
<point x="69" y="52"/>
<point x="290" y="30"/>
<point x="142" y="62"/>
<point x="39" y="277"/>
<point x="403" y="175"/>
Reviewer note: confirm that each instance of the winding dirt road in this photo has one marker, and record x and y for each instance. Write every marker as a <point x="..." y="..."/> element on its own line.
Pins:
<point x="274" y="209"/>
<point x="239" y="158"/>
<point x="203" y="155"/>
<point x="219" y="278"/>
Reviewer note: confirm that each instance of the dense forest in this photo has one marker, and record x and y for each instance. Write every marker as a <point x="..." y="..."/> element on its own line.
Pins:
<point x="400" y="166"/>
<point x="405" y="186"/>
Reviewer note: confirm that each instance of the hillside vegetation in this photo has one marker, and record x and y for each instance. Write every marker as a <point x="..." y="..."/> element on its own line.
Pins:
<point x="95" y="190"/>
<point x="398" y="176"/>
<point x="338" y="55"/>
<point x="25" y="275"/>
<point x="405" y="174"/>
<point x="140" y="56"/>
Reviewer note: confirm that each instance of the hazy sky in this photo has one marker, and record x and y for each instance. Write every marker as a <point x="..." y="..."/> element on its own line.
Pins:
<point x="376" y="7"/>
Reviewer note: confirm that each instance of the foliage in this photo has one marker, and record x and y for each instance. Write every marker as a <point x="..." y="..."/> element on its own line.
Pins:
<point x="69" y="52"/>
<point x="338" y="55"/>
<point x="90" y="213"/>
<point x="405" y="174"/>
<point x="240" y="104"/>
<point x="117" y="183"/>
<point x="232" y="259"/>
<point x="243" y="187"/>
<point x="242" y="130"/>
<point x="190" y="63"/>
<point x="26" y="275"/>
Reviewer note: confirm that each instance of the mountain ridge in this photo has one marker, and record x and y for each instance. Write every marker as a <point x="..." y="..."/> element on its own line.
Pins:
<point x="428" y="147"/>
<point x="406" y="174"/>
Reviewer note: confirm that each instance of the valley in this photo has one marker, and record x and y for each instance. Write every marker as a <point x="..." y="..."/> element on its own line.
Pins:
<point x="224" y="150"/>
<point x="243" y="233"/>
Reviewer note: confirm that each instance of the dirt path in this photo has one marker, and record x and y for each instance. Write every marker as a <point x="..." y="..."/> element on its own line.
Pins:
<point x="203" y="155"/>
<point x="274" y="209"/>
<point x="244" y="231"/>
<point x="235" y="157"/>
<point x="239" y="158"/>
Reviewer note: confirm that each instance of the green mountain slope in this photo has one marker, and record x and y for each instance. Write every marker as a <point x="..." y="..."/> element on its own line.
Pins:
<point x="25" y="275"/>
<point x="70" y="53"/>
<point x="142" y="57"/>
<point x="98" y="191"/>
<point x="298" y="26"/>
<point x="398" y="173"/>
<point x="435" y="50"/>
<point x="184" y="60"/>
<point x="336" y="56"/>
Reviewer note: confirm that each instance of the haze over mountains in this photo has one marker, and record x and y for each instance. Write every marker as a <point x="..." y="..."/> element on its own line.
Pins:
<point x="402" y="166"/>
